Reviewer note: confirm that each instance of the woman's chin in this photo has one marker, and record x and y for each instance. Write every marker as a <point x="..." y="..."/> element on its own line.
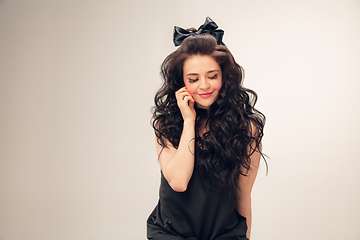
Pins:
<point x="205" y="107"/>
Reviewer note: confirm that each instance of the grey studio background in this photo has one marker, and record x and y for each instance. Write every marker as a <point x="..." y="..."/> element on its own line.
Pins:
<point x="77" y="81"/>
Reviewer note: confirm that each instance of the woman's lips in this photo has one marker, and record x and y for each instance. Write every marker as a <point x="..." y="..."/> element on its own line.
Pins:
<point x="205" y="95"/>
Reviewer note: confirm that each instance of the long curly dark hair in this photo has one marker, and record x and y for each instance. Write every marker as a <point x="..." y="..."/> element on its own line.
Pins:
<point x="235" y="126"/>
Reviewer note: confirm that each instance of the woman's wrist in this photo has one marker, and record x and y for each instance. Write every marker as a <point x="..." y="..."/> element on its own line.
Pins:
<point x="189" y="122"/>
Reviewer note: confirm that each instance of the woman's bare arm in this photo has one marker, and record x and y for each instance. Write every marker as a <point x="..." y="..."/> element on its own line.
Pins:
<point x="177" y="165"/>
<point x="245" y="185"/>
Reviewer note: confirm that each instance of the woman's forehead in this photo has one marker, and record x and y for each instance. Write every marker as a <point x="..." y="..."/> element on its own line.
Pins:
<point x="200" y="64"/>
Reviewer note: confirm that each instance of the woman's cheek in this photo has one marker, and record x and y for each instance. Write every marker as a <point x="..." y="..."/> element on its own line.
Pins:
<point x="190" y="90"/>
<point x="218" y="86"/>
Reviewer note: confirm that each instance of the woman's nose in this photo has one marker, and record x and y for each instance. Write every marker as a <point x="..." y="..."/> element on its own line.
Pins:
<point x="204" y="83"/>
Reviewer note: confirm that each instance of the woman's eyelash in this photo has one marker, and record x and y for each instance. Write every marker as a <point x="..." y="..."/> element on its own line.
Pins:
<point x="194" y="80"/>
<point x="213" y="77"/>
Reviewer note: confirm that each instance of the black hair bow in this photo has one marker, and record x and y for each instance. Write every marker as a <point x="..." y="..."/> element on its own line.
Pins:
<point x="209" y="27"/>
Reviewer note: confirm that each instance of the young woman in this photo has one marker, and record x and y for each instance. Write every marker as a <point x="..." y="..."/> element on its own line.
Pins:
<point x="208" y="141"/>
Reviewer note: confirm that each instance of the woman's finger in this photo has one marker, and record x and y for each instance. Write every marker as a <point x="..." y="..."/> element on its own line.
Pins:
<point x="181" y="90"/>
<point x="185" y="100"/>
<point x="181" y="96"/>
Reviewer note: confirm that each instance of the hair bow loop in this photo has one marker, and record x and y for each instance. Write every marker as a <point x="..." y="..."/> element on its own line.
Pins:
<point x="209" y="27"/>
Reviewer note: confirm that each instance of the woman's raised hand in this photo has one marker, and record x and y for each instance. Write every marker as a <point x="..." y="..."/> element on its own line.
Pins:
<point x="186" y="104"/>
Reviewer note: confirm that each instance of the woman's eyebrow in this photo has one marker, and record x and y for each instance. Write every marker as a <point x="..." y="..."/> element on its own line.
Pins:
<point x="211" y="71"/>
<point x="191" y="74"/>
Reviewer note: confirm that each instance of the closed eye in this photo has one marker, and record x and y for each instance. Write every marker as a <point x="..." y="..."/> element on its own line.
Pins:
<point x="214" y="77"/>
<point x="193" y="80"/>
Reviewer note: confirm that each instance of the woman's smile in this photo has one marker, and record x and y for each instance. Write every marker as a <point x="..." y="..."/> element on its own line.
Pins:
<point x="205" y="95"/>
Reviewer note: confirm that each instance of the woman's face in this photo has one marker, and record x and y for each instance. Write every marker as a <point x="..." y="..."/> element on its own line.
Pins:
<point x="203" y="79"/>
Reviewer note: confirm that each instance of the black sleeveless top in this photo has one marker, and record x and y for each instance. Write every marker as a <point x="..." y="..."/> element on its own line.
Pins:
<point x="199" y="213"/>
